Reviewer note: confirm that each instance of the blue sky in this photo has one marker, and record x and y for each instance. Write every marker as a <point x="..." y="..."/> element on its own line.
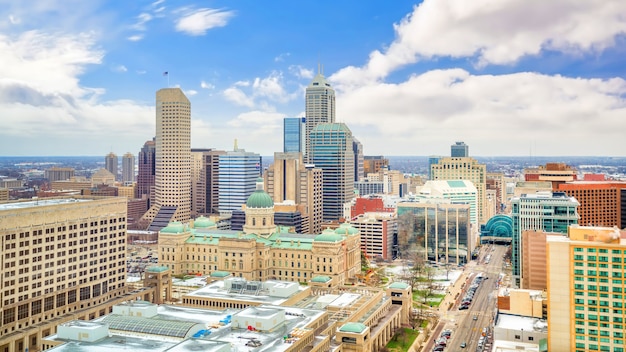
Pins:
<point x="508" y="77"/>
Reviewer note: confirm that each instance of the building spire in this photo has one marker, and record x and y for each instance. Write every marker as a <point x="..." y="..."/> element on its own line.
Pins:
<point x="235" y="148"/>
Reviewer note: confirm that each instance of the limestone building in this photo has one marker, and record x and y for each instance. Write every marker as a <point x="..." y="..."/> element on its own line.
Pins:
<point x="172" y="200"/>
<point x="62" y="259"/>
<point x="262" y="250"/>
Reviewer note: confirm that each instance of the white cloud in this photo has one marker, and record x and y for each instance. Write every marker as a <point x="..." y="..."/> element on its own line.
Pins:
<point x="191" y="92"/>
<point x="135" y="37"/>
<point x="242" y="83"/>
<point x="205" y="85"/>
<point x="271" y="87"/>
<point x="142" y="19"/>
<point x="256" y="119"/>
<point x="157" y="3"/>
<point x="238" y="97"/>
<point x="14" y="19"/>
<point x="197" y="22"/>
<point x="41" y="95"/>
<point x="495" y="115"/>
<point x="281" y="57"/>
<point x="119" y="68"/>
<point x="301" y="72"/>
<point x="491" y="32"/>
<point x="141" y="72"/>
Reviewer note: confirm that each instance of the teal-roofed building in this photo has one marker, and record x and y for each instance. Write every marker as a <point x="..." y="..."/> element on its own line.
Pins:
<point x="262" y="250"/>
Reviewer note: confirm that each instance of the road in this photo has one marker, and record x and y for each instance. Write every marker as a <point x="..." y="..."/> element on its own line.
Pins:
<point x="461" y="322"/>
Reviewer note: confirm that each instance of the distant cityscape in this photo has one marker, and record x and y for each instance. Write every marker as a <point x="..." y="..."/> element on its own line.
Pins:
<point x="318" y="247"/>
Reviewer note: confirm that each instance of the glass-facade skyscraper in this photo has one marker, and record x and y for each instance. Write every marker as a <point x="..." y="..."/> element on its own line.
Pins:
<point x="331" y="150"/>
<point x="293" y="134"/>
<point x="238" y="172"/>
<point x="459" y="150"/>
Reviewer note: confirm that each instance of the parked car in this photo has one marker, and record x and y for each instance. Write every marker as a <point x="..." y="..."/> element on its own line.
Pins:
<point x="463" y="344"/>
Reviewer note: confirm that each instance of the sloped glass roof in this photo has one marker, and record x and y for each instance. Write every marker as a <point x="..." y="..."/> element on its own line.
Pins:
<point x="171" y="328"/>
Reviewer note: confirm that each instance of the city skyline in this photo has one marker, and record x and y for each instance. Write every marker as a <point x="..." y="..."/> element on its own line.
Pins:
<point x="411" y="77"/>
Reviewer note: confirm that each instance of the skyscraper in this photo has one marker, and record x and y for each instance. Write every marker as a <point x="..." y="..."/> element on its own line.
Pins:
<point x="547" y="211"/>
<point x="204" y="179"/>
<point x="331" y="150"/>
<point x="173" y="159"/>
<point x="128" y="168"/>
<point x="448" y="168"/>
<point x="320" y="107"/>
<point x="146" y="170"/>
<point x="459" y="150"/>
<point x="293" y="134"/>
<point x="238" y="174"/>
<point x="289" y="179"/>
<point x="357" y="149"/>
<point x="110" y="163"/>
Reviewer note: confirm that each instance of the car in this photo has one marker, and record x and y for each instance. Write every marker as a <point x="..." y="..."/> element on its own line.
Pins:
<point x="463" y="344"/>
<point x="461" y="307"/>
<point x="438" y="348"/>
<point x="475" y="317"/>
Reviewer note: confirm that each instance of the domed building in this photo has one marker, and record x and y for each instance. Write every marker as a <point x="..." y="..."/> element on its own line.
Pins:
<point x="262" y="251"/>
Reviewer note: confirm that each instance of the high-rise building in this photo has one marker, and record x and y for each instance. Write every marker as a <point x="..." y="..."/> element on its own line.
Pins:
<point x="293" y="134"/>
<point x="58" y="174"/>
<point x="377" y="233"/>
<point x="495" y="182"/>
<point x="556" y="173"/>
<point x="546" y="211"/>
<point x="432" y="160"/>
<point x="289" y="179"/>
<point x="357" y="148"/>
<point x="62" y="259"/>
<point x="110" y="163"/>
<point x="146" y="170"/>
<point x="458" y="191"/>
<point x="320" y="107"/>
<point x="602" y="203"/>
<point x="331" y="150"/>
<point x="374" y="163"/>
<point x="204" y="180"/>
<point x="238" y="174"/>
<point x="128" y="168"/>
<point x="459" y="150"/>
<point x="586" y="274"/>
<point x="172" y="199"/>
<point x="464" y="169"/>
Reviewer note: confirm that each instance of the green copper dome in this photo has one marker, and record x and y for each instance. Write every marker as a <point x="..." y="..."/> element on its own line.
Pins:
<point x="328" y="235"/>
<point x="259" y="199"/>
<point x="346" y="229"/>
<point x="173" y="227"/>
<point x="202" y="223"/>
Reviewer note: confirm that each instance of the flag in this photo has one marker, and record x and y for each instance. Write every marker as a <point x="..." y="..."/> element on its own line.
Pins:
<point x="165" y="73"/>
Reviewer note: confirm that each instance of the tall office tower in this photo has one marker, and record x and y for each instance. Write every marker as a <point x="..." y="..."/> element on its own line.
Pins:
<point x="58" y="174"/>
<point x="357" y="149"/>
<point x="331" y="151"/>
<point x="448" y="168"/>
<point x="293" y="134"/>
<point x="602" y="203"/>
<point x="546" y="211"/>
<point x="238" y="174"/>
<point x="110" y="163"/>
<point x="556" y="173"/>
<point x="204" y="181"/>
<point x="289" y="179"/>
<point x="373" y="164"/>
<point x="62" y="259"/>
<point x="586" y="302"/>
<point x="172" y="179"/>
<point x="320" y="107"/>
<point x="459" y="150"/>
<point x="128" y="168"/>
<point x="146" y="169"/>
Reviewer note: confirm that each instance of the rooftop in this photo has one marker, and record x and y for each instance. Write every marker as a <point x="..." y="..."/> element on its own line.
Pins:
<point x="41" y="202"/>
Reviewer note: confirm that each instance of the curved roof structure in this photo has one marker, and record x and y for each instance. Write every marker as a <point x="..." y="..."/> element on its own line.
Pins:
<point x="174" y="227"/>
<point x="172" y="328"/>
<point x="203" y="222"/>
<point x="328" y="235"/>
<point x="259" y="199"/>
<point x="498" y="226"/>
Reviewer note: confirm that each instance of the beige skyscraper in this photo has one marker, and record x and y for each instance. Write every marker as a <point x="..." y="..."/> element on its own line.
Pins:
<point x="289" y="179"/>
<point x="110" y="163"/>
<point x="128" y="168"/>
<point x="320" y="107"/>
<point x="173" y="159"/>
<point x="465" y="168"/>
